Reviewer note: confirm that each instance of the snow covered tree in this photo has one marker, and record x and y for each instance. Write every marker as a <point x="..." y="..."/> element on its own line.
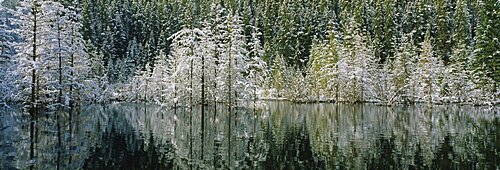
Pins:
<point x="444" y="21"/>
<point x="144" y="90"/>
<point x="280" y="77"/>
<point x="58" y="47"/>
<point x="428" y="73"/>
<point x="6" y="50"/>
<point x="159" y="78"/>
<point x="458" y="72"/>
<point x="134" y="52"/>
<point x="402" y="68"/>
<point x="218" y="30"/>
<point x="319" y="67"/>
<point x="257" y="66"/>
<point x="234" y="63"/>
<point x="207" y="63"/>
<point x="77" y="68"/>
<point x="382" y="88"/>
<point x="6" y="34"/>
<point x="30" y="54"/>
<point x="182" y="63"/>
<point x="367" y="63"/>
<point x="357" y="66"/>
<point x="96" y="81"/>
<point x="486" y="61"/>
<point x="323" y="68"/>
<point x="383" y="20"/>
<point x="297" y="89"/>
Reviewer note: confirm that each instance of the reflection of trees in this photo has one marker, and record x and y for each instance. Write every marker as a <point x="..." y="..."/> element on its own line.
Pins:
<point x="129" y="141"/>
<point x="408" y="137"/>
<point x="126" y="151"/>
<point x="10" y="139"/>
<point x="293" y="152"/>
<point x="75" y="144"/>
<point x="286" y="136"/>
<point x="173" y="141"/>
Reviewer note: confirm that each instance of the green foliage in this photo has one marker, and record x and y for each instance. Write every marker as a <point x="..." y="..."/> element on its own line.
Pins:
<point x="373" y="39"/>
<point x="487" y="55"/>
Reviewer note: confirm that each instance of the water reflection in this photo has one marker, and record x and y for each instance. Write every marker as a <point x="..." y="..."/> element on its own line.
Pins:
<point x="282" y="136"/>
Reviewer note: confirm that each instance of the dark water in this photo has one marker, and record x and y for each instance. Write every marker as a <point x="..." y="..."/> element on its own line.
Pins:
<point x="281" y="136"/>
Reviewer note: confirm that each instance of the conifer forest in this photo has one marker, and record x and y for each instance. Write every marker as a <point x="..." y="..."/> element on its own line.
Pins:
<point x="249" y="84"/>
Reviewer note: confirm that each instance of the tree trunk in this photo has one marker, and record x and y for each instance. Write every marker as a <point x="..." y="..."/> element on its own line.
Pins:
<point x="59" y="99"/>
<point x="202" y="104"/>
<point x="34" y="57"/>
<point x="229" y="91"/>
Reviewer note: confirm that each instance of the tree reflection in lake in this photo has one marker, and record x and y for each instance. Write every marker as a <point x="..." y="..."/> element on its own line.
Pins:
<point x="282" y="136"/>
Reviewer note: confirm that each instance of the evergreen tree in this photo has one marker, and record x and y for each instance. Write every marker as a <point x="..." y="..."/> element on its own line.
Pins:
<point x="357" y="66"/>
<point x="31" y="54"/>
<point x="402" y="69"/>
<point x="257" y="66"/>
<point x="144" y="90"/>
<point x="207" y="62"/>
<point x="444" y="24"/>
<point x="486" y="63"/>
<point x="280" y="77"/>
<point x="97" y="80"/>
<point x="317" y="71"/>
<point x="350" y="51"/>
<point x="57" y="60"/>
<point x="234" y="63"/>
<point x="6" y="52"/>
<point x="383" y="30"/>
<point x="134" y="52"/>
<point x="181" y="65"/>
<point x="323" y="71"/>
<point x="458" y="72"/>
<point x="159" y="78"/>
<point x="428" y="73"/>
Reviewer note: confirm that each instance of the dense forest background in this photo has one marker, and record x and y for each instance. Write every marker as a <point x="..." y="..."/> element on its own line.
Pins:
<point x="363" y="50"/>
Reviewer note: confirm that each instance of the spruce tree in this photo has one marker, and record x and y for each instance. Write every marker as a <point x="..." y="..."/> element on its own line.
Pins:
<point x="486" y="63"/>
<point x="428" y="73"/>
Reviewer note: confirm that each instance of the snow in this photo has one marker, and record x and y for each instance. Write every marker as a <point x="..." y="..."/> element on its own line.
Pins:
<point x="222" y="59"/>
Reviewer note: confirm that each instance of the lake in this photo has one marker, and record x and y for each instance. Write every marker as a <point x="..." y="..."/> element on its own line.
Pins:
<point x="278" y="135"/>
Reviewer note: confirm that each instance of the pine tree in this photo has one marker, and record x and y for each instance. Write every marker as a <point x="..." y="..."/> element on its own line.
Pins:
<point x="57" y="60"/>
<point x="428" y="73"/>
<point x="96" y="80"/>
<point x="458" y="72"/>
<point x="134" y="52"/>
<point x="444" y="20"/>
<point x="218" y="30"/>
<point x="401" y="71"/>
<point x="297" y="88"/>
<point x="6" y="49"/>
<point x="357" y="66"/>
<point x="317" y="70"/>
<point x="144" y="88"/>
<point x="78" y="64"/>
<point x="323" y="67"/>
<point x="280" y="77"/>
<point x="6" y="35"/>
<point x="159" y="78"/>
<point x="207" y="63"/>
<point x="182" y="63"/>
<point x="234" y="62"/>
<point x="334" y="48"/>
<point x="383" y="29"/>
<point x="257" y="66"/>
<point x="30" y="54"/>
<point x="486" y="63"/>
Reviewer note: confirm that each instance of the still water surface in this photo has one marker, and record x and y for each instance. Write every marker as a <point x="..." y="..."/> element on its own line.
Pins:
<point x="281" y="135"/>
